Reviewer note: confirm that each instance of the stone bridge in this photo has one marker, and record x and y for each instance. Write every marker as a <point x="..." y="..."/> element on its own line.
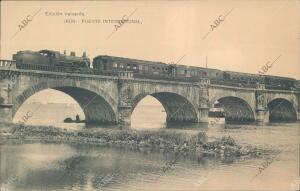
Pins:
<point x="112" y="99"/>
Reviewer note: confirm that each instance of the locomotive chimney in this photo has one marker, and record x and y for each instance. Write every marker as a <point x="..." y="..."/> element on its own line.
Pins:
<point x="84" y="55"/>
<point x="72" y="53"/>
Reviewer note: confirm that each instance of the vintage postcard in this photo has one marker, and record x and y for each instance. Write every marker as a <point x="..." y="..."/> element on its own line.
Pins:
<point x="150" y="95"/>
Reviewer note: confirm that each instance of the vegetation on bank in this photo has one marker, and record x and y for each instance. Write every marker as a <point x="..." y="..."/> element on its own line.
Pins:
<point x="178" y="142"/>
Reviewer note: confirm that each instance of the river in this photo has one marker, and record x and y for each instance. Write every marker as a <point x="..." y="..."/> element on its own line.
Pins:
<point x="79" y="167"/>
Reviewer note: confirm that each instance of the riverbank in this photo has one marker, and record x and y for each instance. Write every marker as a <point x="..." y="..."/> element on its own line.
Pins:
<point x="182" y="143"/>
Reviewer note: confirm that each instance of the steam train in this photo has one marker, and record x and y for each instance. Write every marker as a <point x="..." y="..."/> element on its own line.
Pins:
<point x="51" y="60"/>
<point x="110" y="65"/>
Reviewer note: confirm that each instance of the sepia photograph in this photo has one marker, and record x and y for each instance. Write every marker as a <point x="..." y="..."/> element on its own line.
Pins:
<point x="139" y="95"/>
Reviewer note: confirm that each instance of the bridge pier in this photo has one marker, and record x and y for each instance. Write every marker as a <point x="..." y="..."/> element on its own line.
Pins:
<point x="203" y="109"/>
<point x="6" y="106"/>
<point x="5" y="113"/>
<point x="203" y="114"/>
<point x="125" y="91"/>
<point x="124" y="116"/>
<point x="262" y="115"/>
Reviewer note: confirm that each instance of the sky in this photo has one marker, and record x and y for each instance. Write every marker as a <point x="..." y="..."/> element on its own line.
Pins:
<point x="252" y="34"/>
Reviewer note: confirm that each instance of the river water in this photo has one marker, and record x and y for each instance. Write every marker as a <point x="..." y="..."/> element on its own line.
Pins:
<point x="79" y="167"/>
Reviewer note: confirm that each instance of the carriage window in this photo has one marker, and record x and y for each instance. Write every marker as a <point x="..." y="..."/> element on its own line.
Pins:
<point x="115" y="65"/>
<point x="134" y="67"/>
<point x="121" y="66"/>
<point x="128" y="66"/>
<point x="153" y="68"/>
<point x="204" y="73"/>
<point x="185" y="71"/>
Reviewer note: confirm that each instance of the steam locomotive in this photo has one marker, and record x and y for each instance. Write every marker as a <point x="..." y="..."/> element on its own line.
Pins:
<point x="110" y="65"/>
<point x="51" y="61"/>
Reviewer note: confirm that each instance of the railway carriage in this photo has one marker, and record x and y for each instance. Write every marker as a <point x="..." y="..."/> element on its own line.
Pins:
<point x="140" y="68"/>
<point x="156" y="70"/>
<point x="242" y="79"/>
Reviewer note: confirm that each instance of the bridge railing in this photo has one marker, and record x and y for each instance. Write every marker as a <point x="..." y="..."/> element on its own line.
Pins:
<point x="125" y="74"/>
<point x="169" y="78"/>
<point x="270" y="87"/>
<point x="38" y="67"/>
<point x="234" y="83"/>
<point x="72" y="70"/>
<point x="8" y="64"/>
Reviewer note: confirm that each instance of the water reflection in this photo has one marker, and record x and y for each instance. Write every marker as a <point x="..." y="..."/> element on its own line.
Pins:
<point x="86" y="167"/>
<point x="83" y="167"/>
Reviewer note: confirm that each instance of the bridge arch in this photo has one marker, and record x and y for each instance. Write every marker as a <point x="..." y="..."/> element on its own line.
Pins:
<point x="281" y="109"/>
<point x="97" y="105"/>
<point x="177" y="107"/>
<point x="236" y="109"/>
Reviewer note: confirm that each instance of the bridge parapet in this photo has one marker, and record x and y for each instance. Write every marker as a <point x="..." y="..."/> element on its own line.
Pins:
<point x="203" y="83"/>
<point x="8" y="64"/>
<point x="260" y="86"/>
<point x="125" y="75"/>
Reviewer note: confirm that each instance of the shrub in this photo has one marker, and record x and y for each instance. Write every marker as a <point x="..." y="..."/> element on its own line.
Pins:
<point x="201" y="138"/>
<point x="228" y="141"/>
